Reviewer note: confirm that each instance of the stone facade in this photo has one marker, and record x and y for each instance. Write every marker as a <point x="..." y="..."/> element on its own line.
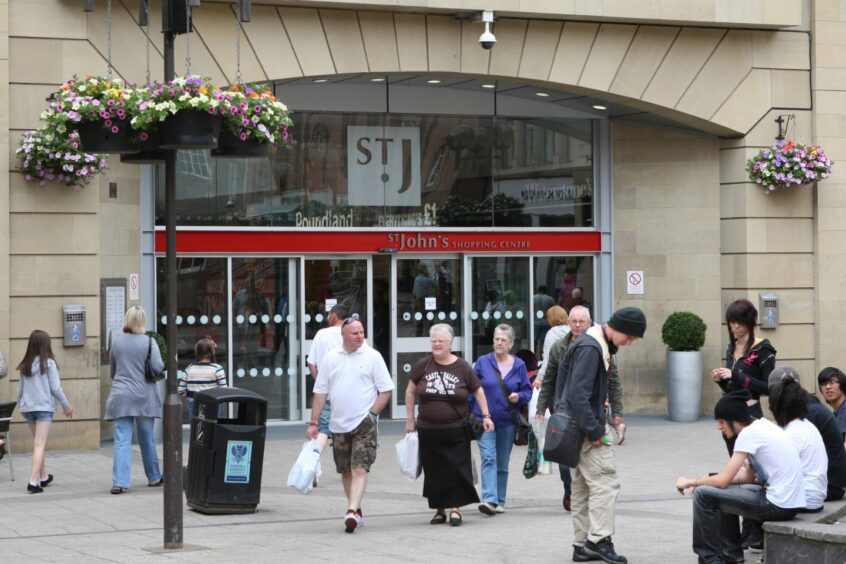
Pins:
<point x="684" y="211"/>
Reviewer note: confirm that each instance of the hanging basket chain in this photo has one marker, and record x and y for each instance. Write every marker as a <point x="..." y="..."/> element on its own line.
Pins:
<point x="109" y="39"/>
<point x="187" y="38"/>
<point x="147" y="35"/>
<point x="238" y="43"/>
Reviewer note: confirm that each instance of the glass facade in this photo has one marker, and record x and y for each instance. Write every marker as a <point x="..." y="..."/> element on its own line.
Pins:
<point x="398" y="170"/>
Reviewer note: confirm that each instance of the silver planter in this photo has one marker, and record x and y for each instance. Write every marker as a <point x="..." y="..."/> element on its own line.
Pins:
<point x="684" y="385"/>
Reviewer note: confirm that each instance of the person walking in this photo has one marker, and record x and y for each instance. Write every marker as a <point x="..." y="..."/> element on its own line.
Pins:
<point x="325" y="340"/>
<point x="202" y="374"/>
<point x="506" y="386"/>
<point x="443" y="383"/>
<point x="356" y="378"/>
<point x="39" y="389"/>
<point x="584" y="374"/>
<point x="133" y="400"/>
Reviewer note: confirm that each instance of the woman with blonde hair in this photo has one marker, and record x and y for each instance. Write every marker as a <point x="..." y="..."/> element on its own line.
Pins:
<point x="133" y="400"/>
<point x="38" y="391"/>
<point x="559" y="327"/>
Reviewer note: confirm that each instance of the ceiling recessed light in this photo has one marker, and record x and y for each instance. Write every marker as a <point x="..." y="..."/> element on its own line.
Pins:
<point x="377" y="79"/>
<point x="489" y="86"/>
<point x="433" y="81"/>
<point x="542" y="94"/>
<point x="599" y="107"/>
<point x="320" y="80"/>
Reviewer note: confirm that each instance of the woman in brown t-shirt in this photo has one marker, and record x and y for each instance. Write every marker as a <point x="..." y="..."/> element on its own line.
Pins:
<point x="442" y="383"/>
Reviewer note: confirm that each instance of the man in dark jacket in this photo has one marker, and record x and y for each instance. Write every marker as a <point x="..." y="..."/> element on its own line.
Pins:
<point x="595" y="483"/>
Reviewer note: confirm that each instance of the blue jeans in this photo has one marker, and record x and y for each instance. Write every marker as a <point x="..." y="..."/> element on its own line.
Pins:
<point x="716" y="531"/>
<point x="122" y="463"/>
<point x="495" y="450"/>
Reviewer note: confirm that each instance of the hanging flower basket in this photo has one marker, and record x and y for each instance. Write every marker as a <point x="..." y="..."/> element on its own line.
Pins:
<point x="97" y="108"/>
<point x="231" y="147"/>
<point x="187" y="111"/>
<point x="46" y="156"/>
<point x="254" y="114"/>
<point x="786" y="164"/>
<point x="147" y="150"/>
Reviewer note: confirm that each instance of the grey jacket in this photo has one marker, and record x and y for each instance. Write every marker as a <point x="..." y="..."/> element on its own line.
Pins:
<point x="40" y="392"/>
<point x="132" y="395"/>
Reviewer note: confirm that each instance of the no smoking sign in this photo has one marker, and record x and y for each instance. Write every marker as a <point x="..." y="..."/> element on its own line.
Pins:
<point x="634" y="282"/>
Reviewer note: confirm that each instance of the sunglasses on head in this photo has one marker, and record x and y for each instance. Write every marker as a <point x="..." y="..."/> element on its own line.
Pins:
<point x="350" y="319"/>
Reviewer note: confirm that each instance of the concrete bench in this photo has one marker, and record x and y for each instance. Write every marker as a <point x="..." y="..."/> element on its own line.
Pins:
<point x="810" y="538"/>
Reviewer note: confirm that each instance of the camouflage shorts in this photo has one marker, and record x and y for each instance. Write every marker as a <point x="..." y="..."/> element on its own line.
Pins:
<point x="356" y="448"/>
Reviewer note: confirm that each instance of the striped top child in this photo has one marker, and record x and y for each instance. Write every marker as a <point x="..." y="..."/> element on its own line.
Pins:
<point x="204" y="373"/>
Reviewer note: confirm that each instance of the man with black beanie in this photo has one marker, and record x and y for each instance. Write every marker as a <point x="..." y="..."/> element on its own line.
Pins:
<point x="763" y="454"/>
<point x="584" y="370"/>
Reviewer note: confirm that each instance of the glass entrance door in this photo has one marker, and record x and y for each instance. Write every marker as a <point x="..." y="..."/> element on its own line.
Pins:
<point x="326" y="282"/>
<point x="427" y="290"/>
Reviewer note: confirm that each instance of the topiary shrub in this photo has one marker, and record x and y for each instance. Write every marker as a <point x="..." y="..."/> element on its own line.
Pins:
<point x="683" y="331"/>
<point x="162" y="345"/>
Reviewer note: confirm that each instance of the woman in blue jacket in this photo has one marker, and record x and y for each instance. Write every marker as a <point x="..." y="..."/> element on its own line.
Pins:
<point x="496" y="370"/>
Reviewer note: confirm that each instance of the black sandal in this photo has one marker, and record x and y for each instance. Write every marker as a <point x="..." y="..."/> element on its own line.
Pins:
<point x="439" y="518"/>
<point x="455" y="518"/>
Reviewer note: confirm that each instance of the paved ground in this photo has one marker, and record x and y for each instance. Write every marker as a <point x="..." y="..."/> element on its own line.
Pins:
<point x="77" y="520"/>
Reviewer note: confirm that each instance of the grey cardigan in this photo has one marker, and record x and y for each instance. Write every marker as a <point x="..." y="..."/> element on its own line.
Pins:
<point x="132" y="395"/>
<point x="40" y="392"/>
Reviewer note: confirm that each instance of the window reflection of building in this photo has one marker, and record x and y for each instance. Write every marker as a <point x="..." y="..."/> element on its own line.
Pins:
<point x="476" y="171"/>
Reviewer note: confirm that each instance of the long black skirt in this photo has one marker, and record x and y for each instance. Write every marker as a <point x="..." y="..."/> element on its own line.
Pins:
<point x="447" y="468"/>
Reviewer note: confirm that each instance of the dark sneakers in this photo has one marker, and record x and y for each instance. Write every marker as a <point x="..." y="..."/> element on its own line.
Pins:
<point x="604" y="550"/>
<point x="46" y="482"/>
<point x="34" y="488"/>
<point x="579" y="555"/>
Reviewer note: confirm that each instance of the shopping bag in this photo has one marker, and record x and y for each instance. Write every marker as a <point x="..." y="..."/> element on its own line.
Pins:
<point x="532" y="463"/>
<point x="306" y="468"/>
<point x="408" y="456"/>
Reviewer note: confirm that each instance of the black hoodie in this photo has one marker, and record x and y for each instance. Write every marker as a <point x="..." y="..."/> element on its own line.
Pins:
<point x="752" y="370"/>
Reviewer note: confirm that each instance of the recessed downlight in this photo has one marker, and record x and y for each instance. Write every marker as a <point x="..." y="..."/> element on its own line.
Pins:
<point x="320" y="80"/>
<point x="377" y="79"/>
<point x="599" y="107"/>
<point x="489" y="86"/>
<point x="542" y="94"/>
<point x="433" y="81"/>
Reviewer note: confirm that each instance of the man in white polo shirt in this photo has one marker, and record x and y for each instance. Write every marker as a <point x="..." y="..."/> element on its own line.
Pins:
<point x="360" y="385"/>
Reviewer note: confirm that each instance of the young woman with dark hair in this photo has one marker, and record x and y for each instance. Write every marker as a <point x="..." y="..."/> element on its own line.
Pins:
<point x="789" y="404"/>
<point x="749" y="361"/>
<point x="38" y="391"/>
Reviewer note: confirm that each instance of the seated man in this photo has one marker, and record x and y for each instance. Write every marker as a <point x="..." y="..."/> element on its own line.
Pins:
<point x="736" y="491"/>
<point x="824" y="421"/>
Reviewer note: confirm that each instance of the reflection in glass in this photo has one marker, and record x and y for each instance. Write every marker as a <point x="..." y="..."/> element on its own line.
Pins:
<point x="428" y="292"/>
<point x="264" y="333"/>
<point x="500" y="294"/>
<point x="201" y="303"/>
<point x="397" y="170"/>
<point x="565" y="281"/>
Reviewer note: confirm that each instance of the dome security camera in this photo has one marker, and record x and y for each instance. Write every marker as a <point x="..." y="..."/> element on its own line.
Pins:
<point x="487" y="40"/>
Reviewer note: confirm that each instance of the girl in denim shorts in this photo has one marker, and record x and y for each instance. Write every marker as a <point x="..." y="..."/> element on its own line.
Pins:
<point x="38" y="391"/>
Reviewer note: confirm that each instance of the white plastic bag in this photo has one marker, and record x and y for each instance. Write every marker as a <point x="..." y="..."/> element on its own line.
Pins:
<point x="408" y="456"/>
<point x="306" y="468"/>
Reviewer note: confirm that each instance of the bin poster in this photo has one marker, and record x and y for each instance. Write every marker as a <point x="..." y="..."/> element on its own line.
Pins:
<point x="238" y="456"/>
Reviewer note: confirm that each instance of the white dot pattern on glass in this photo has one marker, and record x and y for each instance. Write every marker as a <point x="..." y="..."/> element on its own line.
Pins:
<point x="539" y="314"/>
<point x="279" y="371"/>
<point x="190" y="320"/>
<point x="204" y="319"/>
<point x="265" y="372"/>
<point x="497" y="314"/>
<point x="292" y="371"/>
<point x="265" y="318"/>
<point x="430" y="316"/>
<point x="319" y="318"/>
<point x="307" y="318"/>
<point x="418" y="316"/>
<point x="474" y="315"/>
<point x="290" y="319"/>
<point x="519" y="314"/>
<point x="216" y="320"/>
<point x="253" y="319"/>
<point x="441" y="315"/>
<point x="240" y="373"/>
<point x="453" y="315"/>
<point x="239" y="319"/>
<point x="253" y="372"/>
<point x="277" y="318"/>
<point x="508" y="315"/>
<point x="406" y="367"/>
<point x="164" y="320"/>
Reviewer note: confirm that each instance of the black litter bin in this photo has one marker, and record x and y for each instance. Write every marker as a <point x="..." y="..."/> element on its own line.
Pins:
<point x="226" y="453"/>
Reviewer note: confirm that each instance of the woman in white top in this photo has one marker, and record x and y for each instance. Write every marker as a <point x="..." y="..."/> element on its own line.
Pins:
<point x="558" y="329"/>
<point x="789" y="404"/>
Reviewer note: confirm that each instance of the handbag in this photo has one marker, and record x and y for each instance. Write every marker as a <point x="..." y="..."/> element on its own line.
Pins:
<point x="149" y="374"/>
<point x="473" y="428"/>
<point x="522" y="429"/>
<point x="563" y="439"/>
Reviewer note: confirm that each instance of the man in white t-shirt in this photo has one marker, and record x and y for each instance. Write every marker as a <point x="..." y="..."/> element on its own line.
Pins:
<point x="763" y="454"/>
<point x="325" y="340"/>
<point x="356" y="378"/>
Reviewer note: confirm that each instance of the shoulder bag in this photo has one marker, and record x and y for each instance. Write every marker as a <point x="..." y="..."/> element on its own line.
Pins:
<point x="522" y="428"/>
<point x="473" y="428"/>
<point x="149" y="374"/>
<point x="563" y="439"/>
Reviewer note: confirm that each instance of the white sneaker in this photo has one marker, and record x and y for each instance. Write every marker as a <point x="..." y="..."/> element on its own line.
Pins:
<point x="500" y="509"/>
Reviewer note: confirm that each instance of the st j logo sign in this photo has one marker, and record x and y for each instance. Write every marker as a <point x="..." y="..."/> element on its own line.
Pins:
<point x="383" y="165"/>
